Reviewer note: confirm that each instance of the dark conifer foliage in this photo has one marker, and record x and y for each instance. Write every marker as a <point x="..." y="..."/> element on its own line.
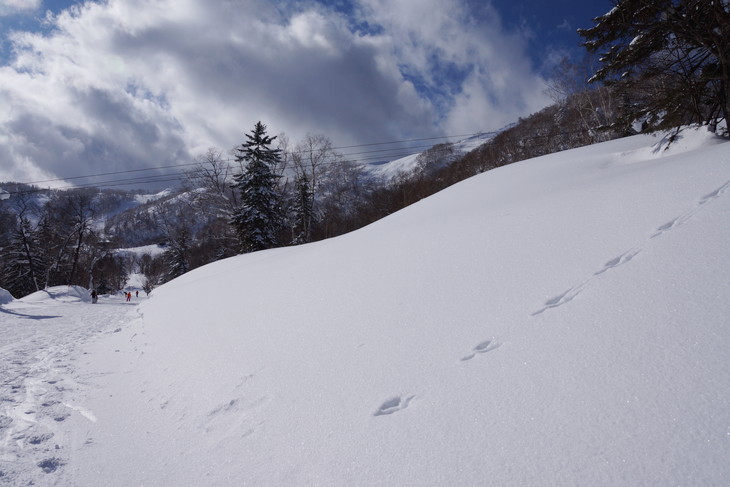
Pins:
<point x="668" y="59"/>
<point x="177" y="254"/>
<point x="258" y="219"/>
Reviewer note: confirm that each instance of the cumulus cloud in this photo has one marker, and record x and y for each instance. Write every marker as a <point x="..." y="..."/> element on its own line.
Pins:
<point x="463" y="60"/>
<point x="10" y="7"/>
<point x="138" y="83"/>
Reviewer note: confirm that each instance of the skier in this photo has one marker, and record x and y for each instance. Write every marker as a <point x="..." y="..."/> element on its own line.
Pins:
<point x="94" y="296"/>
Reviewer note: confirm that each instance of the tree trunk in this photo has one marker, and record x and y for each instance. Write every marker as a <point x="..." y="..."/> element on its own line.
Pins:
<point x="77" y="252"/>
<point x="29" y="256"/>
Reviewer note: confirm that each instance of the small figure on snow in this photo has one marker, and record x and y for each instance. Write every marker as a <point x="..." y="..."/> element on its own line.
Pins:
<point x="94" y="296"/>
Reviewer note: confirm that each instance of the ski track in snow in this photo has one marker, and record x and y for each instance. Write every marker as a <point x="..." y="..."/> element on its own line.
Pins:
<point x="39" y="345"/>
<point x="571" y="293"/>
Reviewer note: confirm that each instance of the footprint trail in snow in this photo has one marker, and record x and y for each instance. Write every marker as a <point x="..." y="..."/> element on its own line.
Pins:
<point x="626" y="257"/>
<point x="39" y="345"/>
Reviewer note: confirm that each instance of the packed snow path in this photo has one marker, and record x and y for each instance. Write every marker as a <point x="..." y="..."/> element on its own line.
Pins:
<point x="40" y="344"/>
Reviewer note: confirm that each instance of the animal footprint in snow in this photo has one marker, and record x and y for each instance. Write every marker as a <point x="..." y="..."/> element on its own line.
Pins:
<point x="393" y="405"/>
<point x="484" y="347"/>
<point x="670" y="225"/>
<point x="618" y="261"/>
<point x="715" y="194"/>
<point x="561" y="299"/>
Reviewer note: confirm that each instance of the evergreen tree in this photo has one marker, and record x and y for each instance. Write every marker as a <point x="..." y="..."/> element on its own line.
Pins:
<point x="177" y="254"/>
<point x="669" y="59"/>
<point x="258" y="219"/>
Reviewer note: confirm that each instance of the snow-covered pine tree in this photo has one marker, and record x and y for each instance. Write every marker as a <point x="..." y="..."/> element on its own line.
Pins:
<point x="177" y="253"/>
<point x="668" y="59"/>
<point x="258" y="219"/>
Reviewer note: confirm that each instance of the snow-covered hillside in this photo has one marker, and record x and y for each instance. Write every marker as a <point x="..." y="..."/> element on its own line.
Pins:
<point x="559" y="321"/>
<point x="408" y="164"/>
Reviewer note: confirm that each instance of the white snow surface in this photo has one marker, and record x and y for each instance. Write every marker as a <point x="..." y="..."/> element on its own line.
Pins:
<point x="153" y="250"/>
<point x="64" y="294"/>
<point x="559" y="321"/>
<point x="146" y="198"/>
<point x="408" y="164"/>
<point x="135" y="281"/>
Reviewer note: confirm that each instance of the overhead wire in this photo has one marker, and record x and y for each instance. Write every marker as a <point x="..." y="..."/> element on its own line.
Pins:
<point x="334" y="159"/>
<point x="384" y="155"/>
<point x="369" y="157"/>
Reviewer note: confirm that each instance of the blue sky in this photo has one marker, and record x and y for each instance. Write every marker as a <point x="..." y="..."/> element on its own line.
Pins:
<point x="123" y="84"/>
<point x="553" y="23"/>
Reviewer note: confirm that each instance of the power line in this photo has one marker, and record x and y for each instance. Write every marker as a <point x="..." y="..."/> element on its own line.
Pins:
<point x="414" y="140"/>
<point x="169" y="177"/>
<point x="384" y="156"/>
<point x="127" y="171"/>
<point x="334" y="159"/>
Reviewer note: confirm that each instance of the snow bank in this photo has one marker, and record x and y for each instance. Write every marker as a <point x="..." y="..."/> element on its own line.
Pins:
<point x="66" y="294"/>
<point x="560" y="321"/>
<point x="5" y="296"/>
<point x="689" y="139"/>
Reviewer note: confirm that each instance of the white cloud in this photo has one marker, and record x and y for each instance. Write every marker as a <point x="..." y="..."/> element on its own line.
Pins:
<point x="9" y="7"/>
<point x="496" y="83"/>
<point x="135" y="83"/>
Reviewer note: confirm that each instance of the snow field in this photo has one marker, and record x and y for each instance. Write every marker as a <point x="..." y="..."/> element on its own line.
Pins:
<point x="560" y="321"/>
<point x="41" y="338"/>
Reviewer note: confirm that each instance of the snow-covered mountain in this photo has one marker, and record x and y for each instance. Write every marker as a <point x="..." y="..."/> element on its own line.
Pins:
<point x="443" y="154"/>
<point x="558" y="321"/>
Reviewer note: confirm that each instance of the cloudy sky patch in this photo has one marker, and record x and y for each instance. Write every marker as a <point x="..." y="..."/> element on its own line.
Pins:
<point x="127" y="84"/>
<point x="10" y="7"/>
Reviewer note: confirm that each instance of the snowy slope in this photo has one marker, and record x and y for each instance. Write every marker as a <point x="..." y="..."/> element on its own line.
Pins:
<point x="146" y="198"/>
<point x="408" y="164"/>
<point x="560" y="321"/>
